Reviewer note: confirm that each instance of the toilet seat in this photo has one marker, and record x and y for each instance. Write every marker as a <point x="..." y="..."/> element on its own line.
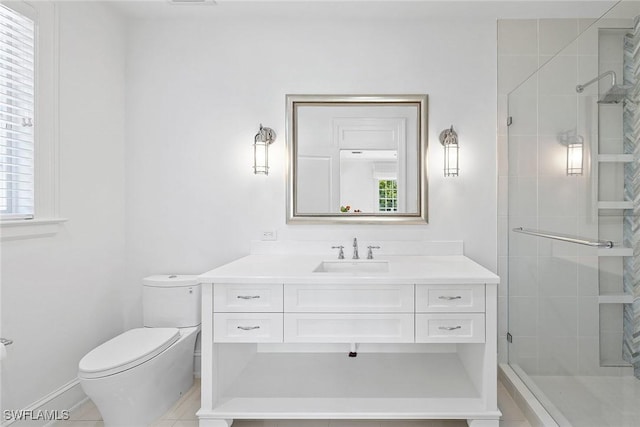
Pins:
<point x="127" y="350"/>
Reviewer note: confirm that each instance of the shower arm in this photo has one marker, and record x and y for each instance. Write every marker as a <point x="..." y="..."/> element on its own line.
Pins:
<point x="580" y="88"/>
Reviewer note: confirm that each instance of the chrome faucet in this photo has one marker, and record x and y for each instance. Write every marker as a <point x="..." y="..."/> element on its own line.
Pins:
<point x="370" y="253"/>
<point x="341" y="253"/>
<point x="355" y="249"/>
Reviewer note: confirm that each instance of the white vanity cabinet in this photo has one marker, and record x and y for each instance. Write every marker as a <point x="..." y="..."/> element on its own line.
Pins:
<point x="276" y="343"/>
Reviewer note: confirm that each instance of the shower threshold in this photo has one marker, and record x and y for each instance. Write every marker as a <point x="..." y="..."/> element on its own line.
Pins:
<point x="584" y="401"/>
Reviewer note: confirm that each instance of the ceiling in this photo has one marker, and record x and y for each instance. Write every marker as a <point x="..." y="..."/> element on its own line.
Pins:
<point x="368" y="9"/>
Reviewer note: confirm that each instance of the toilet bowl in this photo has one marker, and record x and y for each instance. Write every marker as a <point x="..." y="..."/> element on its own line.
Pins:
<point x="138" y="375"/>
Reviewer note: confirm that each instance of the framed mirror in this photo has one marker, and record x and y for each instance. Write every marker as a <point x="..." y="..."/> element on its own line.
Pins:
<point x="357" y="159"/>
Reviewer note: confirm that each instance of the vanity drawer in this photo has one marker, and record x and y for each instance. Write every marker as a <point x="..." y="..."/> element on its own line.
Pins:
<point x="450" y="298"/>
<point x="348" y="328"/>
<point x="345" y="298"/>
<point x="247" y="327"/>
<point x="231" y="298"/>
<point x="450" y="328"/>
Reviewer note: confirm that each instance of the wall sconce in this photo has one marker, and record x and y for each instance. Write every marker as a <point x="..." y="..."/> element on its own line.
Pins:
<point x="449" y="140"/>
<point x="575" y="156"/>
<point x="261" y="142"/>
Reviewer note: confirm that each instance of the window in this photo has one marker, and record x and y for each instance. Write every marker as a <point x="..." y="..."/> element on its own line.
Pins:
<point x="17" y="107"/>
<point x="387" y="195"/>
<point x="29" y="159"/>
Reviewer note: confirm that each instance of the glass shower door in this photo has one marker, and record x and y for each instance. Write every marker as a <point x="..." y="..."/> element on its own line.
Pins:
<point x="573" y="220"/>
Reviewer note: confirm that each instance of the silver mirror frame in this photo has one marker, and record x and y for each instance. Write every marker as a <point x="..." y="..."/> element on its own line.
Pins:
<point x="293" y="217"/>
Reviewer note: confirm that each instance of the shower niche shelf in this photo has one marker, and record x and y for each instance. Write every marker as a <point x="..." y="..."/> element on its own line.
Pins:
<point x="616" y="205"/>
<point x="615" y="158"/>
<point x="615" y="251"/>
<point x="621" y="298"/>
<point x="615" y="363"/>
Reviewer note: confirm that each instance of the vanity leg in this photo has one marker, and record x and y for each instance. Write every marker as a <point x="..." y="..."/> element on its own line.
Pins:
<point x="483" y="423"/>
<point x="215" y="423"/>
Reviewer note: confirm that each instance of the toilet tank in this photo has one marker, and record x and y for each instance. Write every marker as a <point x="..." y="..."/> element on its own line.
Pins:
<point x="171" y="301"/>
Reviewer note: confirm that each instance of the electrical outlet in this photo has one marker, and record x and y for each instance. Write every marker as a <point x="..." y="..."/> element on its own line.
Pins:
<point x="269" y="235"/>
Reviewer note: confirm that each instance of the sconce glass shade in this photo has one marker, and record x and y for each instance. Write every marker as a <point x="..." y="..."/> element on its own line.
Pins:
<point x="261" y="142"/>
<point x="451" y="160"/>
<point x="575" y="157"/>
<point x="449" y="140"/>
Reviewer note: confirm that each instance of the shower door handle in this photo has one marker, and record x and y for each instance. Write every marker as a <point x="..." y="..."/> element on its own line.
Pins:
<point x="565" y="238"/>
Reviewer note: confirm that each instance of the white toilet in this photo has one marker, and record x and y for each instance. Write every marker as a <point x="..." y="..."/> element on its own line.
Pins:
<point x="138" y="375"/>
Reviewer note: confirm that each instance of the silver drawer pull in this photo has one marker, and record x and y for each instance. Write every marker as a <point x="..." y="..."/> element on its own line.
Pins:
<point x="248" y="328"/>
<point x="450" y="298"/>
<point x="248" y="296"/>
<point x="449" y="328"/>
<point x="6" y="341"/>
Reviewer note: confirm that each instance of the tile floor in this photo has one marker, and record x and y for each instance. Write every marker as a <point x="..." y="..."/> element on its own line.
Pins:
<point x="183" y="414"/>
<point x="594" y="401"/>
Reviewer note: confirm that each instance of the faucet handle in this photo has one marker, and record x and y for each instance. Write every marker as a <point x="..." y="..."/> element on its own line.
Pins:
<point x="341" y="253"/>
<point x="370" y="253"/>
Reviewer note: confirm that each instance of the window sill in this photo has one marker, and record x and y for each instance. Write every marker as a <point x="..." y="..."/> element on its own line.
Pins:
<point x="30" y="229"/>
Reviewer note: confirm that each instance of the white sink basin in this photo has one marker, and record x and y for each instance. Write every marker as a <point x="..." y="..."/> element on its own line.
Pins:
<point x="352" y="266"/>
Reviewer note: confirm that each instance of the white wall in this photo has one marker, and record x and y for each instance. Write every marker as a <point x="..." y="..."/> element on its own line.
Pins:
<point x="199" y="88"/>
<point x="63" y="295"/>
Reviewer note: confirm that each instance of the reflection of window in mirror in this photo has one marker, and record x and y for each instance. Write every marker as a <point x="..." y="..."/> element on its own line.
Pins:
<point x="387" y="195"/>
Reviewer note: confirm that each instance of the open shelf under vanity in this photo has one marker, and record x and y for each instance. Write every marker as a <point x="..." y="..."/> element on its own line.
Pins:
<point x="335" y="386"/>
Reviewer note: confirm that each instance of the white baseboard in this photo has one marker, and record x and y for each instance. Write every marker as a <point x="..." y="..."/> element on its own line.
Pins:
<point x="65" y="398"/>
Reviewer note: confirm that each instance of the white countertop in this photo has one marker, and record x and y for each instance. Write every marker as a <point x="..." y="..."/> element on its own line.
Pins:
<point x="298" y="269"/>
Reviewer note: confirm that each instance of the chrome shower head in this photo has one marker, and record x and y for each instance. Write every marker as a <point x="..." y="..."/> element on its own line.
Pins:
<point x="615" y="95"/>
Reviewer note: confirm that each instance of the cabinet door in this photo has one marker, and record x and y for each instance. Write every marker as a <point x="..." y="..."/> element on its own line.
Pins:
<point x="231" y="298"/>
<point x="247" y="327"/>
<point x="450" y="298"/>
<point x="348" y="328"/>
<point x="450" y="328"/>
<point x="345" y="298"/>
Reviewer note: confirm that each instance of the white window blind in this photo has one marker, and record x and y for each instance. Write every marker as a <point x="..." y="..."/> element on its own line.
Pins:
<point x="17" y="49"/>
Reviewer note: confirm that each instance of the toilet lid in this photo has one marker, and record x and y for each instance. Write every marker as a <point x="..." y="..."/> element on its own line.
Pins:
<point x="127" y="350"/>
